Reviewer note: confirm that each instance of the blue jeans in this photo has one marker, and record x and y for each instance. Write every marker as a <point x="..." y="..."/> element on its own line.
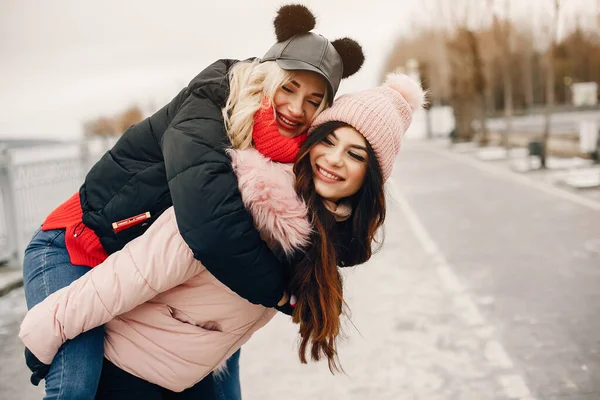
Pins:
<point x="76" y="369"/>
<point x="227" y="384"/>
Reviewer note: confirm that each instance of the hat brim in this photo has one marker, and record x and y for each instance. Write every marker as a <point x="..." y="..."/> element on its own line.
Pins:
<point x="297" y="65"/>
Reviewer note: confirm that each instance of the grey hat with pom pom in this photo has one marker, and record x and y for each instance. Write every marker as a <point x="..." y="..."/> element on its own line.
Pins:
<point x="299" y="49"/>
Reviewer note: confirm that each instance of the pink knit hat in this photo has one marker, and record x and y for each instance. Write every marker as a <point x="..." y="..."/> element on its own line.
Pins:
<point x="381" y="115"/>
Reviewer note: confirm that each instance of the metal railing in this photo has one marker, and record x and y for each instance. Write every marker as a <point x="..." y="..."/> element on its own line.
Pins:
<point x="35" y="180"/>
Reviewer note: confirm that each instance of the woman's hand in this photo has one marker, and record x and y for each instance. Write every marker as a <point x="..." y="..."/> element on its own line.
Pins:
<point x="286" y="304"/>
<point x="283" y="300"/>
<point x="39" y="369"/>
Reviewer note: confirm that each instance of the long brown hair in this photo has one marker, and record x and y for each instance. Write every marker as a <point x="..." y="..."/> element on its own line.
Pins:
<point x="315" y="279"/>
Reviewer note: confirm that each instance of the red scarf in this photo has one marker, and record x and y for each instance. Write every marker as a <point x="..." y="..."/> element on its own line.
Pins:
<point x="269" y="142"/>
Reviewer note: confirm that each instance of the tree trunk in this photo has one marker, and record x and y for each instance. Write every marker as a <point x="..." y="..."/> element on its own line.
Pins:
<point x="528" y="80"/>
<point x="463" y="96"/>
<point x="508" y="103"/>
<point x="484" y="138"/>
<point x="480" y="85"/>
<point x="463" y="115"/>
<point x="549" y="105"/>
<point x="507" y="77"/>
<point x="490" y="100"/>
<point x="597" y="158"/>
<point x="550" y="67"/>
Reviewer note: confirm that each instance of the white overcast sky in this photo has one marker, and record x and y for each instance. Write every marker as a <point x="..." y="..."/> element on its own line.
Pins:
<point x="65" y="61"/>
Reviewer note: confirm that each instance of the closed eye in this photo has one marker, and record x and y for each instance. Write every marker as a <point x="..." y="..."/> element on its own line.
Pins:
<point x="287" y="89"/>
<point x="328" y="141"/>
<point x="357" y="157"/>
<point x="314" y="103"/>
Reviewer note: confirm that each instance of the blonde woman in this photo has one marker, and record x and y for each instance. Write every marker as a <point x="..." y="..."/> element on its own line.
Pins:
<point x="178" y="157"/>
<point x="177" y="322"/>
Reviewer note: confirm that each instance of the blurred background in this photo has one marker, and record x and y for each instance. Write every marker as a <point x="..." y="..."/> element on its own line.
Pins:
<point x="488" y="284"/>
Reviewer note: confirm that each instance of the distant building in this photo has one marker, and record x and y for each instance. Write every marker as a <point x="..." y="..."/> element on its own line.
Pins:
<point x="584" y="93"/>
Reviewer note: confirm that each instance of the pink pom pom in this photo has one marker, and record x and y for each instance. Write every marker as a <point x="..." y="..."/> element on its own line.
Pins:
<point x="409" y="89"/>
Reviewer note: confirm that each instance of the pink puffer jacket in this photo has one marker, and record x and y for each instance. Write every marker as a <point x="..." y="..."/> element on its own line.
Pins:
<point x="167" y="319"/>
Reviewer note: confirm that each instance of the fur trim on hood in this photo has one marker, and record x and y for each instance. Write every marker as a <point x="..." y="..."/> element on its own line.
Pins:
<point x="268" y="192"/>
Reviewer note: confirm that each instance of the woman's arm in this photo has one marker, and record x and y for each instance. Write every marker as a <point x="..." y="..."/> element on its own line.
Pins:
<point x="152" y="263"/>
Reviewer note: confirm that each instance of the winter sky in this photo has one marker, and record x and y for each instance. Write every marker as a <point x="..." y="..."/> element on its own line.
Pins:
<point x="65" y="61"/>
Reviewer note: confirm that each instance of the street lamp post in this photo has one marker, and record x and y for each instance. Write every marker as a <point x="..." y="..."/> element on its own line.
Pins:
<point x="567" y="80"/>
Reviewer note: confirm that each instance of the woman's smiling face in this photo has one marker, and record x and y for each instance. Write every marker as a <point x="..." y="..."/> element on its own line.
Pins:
<point x="297" y="101"/>
<point x="339" y="163"/>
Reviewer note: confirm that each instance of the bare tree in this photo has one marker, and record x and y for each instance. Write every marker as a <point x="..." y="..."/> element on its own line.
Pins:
<point x="598" y="32"/>
<point x="475" y="60"/>
<point x="463" y="97"/>
<point x="526" y="49"/>
<point x="479" y="83"/>
<point x="505" y="41"/>
<point x="550" y="82"/>
<point x="113" y="125"/>
<point x="468" y="78"/>
<point x="597" y="155"/>
<point x="598" y="15"/>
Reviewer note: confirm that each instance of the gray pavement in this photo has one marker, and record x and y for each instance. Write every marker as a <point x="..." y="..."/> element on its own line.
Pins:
<point x="486" y="288"/>
<point x="532" y="252"/>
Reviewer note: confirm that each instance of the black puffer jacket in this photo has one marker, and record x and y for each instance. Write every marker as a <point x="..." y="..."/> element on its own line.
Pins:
<point x="177" y="157"/>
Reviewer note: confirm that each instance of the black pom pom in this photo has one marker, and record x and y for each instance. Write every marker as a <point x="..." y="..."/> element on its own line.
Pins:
<point x="291" y="20"/>
<point x="352" y="55"/>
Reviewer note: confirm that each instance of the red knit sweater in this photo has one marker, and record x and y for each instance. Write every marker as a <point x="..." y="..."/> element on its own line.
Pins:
<point x="83" y="245"/>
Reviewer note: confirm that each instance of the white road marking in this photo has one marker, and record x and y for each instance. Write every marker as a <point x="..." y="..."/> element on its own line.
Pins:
<point x="513" y="383"/>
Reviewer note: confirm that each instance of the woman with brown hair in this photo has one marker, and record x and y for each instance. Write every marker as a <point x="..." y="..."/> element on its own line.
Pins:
<point x="340" y="173"/>
<point x="176" y="322"/>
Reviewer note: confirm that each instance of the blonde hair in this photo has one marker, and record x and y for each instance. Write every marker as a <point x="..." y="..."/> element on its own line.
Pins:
<point x="249" y="83"/>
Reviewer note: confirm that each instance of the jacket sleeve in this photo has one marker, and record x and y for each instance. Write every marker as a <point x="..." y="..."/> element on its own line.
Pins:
<point x="209" y="208"/>
<point x="124" y="280"/>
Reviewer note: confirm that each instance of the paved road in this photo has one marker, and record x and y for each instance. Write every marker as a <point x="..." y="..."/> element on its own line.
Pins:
<point x="487" y="288"/>
<point x="532" y="259"/>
